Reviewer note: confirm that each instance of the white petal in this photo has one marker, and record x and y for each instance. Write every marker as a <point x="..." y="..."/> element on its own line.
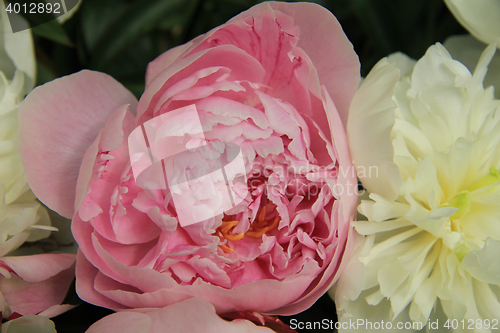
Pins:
<point x="480" y="17"/>
<point x="484" y="264"/>
<point x="371" y="118"/>
<point x="29" y="324"/>
<point x="468" y="50"/>
<point x="17" y="51"/>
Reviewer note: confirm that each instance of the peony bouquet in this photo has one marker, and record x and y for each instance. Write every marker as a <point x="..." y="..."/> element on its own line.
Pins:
<point x="222" y="167"/>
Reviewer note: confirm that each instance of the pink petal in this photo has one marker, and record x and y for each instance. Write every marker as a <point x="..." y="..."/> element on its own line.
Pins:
<point x="86" y="274"/>
<point x="46" y="285"/>
<point x="37" y="268"/>
<point x="57" y="123"/>
<point x="56" y="310"/>
<point x="331" y="273"/>
<point x="242" y="65"/>
<point x="192" y="315"/>
<point x="326" y="44"/>
<point x="347" y="178"/>
<point x="123" y="322"/>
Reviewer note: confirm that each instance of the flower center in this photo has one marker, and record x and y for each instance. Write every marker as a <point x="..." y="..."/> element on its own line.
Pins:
<point x="258" y="228"/>
<point x="456" y="240"/>
<point x="462" y="202"/>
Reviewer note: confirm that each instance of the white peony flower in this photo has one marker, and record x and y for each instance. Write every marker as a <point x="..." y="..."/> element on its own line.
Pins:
<point x="480" y="17"/>
<point x="425" y="139"/>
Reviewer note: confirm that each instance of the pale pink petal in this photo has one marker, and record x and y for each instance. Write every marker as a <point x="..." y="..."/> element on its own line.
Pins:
<point x="56" y="310"/>
<point x="328" y="278"/>
<point x="86" y="274"/>
<point x="50" y="286"/>
<point x="57" y="123"/>
<point x="192" y="315"/>
<point x="326" y="44"/>
<point x="37" y="268"/>
<point x="348" y="182"/>
<point x="123" y="322"/>
<point x="242" y="65"/>
<point x="198" y="315"/>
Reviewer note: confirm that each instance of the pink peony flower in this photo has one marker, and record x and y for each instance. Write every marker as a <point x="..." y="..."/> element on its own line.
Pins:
<point x="273" y="83"/>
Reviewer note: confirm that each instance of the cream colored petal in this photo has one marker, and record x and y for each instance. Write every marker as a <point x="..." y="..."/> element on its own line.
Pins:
<point x="487" y="301"/>
<point x="480" y="17"/>
<point x="42" y="228"/>
<point x="370" y="228"/>
<point x="381" y="209"/>
<point x="468" y="50"/>
<point x="425" y="297"/>
<point x="13" y="243"/>
<point x="371" y="118"/>
<point x="417" y="143"/>
<point x="436" y="69"/>
<point x="402" y="62"/>
<point x="29" y="324"/>
<point x="454" y="175"/>
<point x="431" y="221"/>
<point x="351" y="281"/>
<point x="482" y="222"/>
<point x="397" y="238"/>
<point x="484" y="264"/>
<point x="426" y="187"/>
<point x="17" y="51"/>
<point x="362" y="317"/>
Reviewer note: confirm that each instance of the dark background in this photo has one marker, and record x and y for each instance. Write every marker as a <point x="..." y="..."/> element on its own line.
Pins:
<point x="120" y="37"/>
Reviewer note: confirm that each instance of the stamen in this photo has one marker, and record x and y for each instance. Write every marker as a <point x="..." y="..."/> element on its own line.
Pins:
<point x="226" y="248"/>
<point x="257" y="229"/>
<point x="262" y="214"/>
<point x="224" y="232"/>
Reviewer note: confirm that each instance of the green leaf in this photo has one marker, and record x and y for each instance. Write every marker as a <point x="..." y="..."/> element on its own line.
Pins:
<point x="97" y="16"/>
<point x="43" y="74"/>
<point x="134" y="21"/>
<point x="52" y="30"/>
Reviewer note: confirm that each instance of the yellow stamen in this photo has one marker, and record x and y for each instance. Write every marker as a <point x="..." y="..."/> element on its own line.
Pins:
<point x="225" y="232"/>
<point x="257" y="229"/>
<point x="226" y="248"/>
<point x="234" y="238"/>
<point x="275" y="223"/>
<point x="262" y="215"/>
